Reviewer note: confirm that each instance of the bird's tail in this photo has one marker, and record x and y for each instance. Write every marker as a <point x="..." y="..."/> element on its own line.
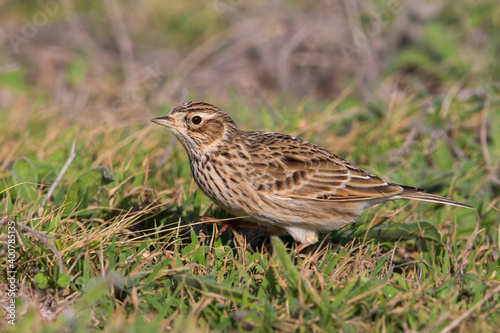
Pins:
<point x="419" y="194"/>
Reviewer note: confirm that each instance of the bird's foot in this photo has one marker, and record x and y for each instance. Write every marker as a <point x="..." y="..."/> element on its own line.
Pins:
<point x="231" y="225"/>
<point x="300" y="248"/>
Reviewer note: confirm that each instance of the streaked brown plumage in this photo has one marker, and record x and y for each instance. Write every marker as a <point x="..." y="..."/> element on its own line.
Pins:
<point x="278" y="180"/>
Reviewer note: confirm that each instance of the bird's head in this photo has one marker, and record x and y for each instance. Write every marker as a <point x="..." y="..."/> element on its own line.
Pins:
<point x="199" y="126"/>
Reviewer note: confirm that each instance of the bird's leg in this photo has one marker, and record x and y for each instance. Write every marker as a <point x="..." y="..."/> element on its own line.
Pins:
<point x="300" y="248"/>
<point x="250" y="225"/>
<point x="238" y="223"/>
<point x="233" y="224"/>
<point x="225" y="224"/>
<point x="224" y="228"/>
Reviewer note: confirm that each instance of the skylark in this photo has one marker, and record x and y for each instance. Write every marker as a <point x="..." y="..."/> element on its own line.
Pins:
<point x="279" y="181"/>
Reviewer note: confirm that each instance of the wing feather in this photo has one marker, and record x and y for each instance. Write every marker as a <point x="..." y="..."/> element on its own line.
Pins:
<point x="291" y="168"/>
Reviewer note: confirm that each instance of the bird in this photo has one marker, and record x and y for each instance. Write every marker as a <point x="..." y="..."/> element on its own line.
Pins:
<point x="278" y="181"/>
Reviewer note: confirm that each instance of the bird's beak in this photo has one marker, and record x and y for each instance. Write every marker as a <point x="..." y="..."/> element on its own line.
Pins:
<point x="164" y="121"/>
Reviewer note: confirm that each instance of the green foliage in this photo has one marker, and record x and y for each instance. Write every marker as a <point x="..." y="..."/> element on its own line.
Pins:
<point x="41" y="280"/>
<point x="83" y="190"/>
<point x="188" y="23"/>
<point x="13" y="79"/>
<point x="390" y="232"/>
<point x="291" y="274"/>
<point x="24" y="179"/>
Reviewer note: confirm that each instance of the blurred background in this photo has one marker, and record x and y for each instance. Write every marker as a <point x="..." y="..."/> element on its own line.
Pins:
<point x="80" y="56"/>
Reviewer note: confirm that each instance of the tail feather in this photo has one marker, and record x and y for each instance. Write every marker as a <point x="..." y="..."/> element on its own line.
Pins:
<point x="421" y="195"/>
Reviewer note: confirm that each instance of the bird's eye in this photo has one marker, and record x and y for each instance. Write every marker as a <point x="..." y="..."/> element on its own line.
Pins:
<point x="196" y="120"/>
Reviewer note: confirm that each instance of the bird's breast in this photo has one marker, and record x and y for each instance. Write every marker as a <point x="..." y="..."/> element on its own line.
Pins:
<point x="224" y="186"/>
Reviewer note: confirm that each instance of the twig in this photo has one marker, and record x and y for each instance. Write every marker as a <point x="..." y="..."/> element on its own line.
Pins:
<point x="398" y="154"/>
<point x="285" y="54"/>
<point x="77" y="29"/>
<point x="483" y="138"/>
<point x="123" y="40"/>
<point x="60" y="175"/>
<point x="80" y="254"/>
<point x="467" y="313"/>
<point x="42" y="238"/>
<point x="454" y="149"/>
<point x="166" y="271"/>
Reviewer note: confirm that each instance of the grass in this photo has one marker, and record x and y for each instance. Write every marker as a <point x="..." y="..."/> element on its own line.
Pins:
<point x="120" y="246"/>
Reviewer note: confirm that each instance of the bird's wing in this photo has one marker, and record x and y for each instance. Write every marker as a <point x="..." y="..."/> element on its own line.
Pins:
<point x="288" y="167"/>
